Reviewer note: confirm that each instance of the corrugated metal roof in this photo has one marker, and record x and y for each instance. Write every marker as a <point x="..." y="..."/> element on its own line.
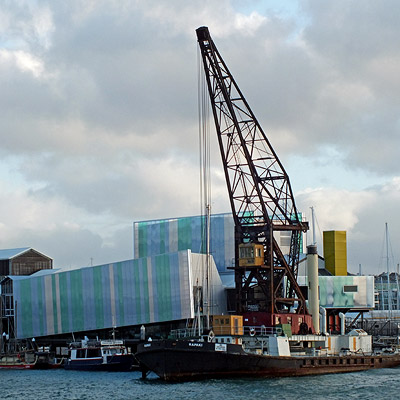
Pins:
<point x="11" y="253"/>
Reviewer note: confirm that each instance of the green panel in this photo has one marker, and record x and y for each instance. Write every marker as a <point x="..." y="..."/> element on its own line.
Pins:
<point x="137" y="291"/>
<point x="64" y="302"/>
<point x="342" y="299"/>
<point x="322" y="292"/>
<point x="162" y="237"/>
<point x="40" y="308"/>
<point x="26" y="307"/>
<point x="76" y="301"/>
<point x="145" y="284"/>
<point x="98" y="297"/>
<point x="54" y="291"/>
<point x="145" y="294"/>
<point x="120" y="296"/>
<point x="184" y="234"/>
<point x="163" y="287"/>
<point x="142" y="232"/>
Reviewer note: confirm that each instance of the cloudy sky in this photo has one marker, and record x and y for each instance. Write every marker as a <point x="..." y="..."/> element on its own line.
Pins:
<point x="99" y="122"/>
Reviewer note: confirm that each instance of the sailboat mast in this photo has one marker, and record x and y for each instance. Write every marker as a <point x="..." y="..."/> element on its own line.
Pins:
<point x="388" y="272"/>
<point x="314" y="240"/>
<point x="208" y="266"/>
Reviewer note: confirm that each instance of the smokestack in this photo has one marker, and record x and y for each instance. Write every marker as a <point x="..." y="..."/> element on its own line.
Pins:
<point x="312" y="274"/>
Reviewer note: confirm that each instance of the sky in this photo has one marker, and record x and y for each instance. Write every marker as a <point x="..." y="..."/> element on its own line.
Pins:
<point x="99" y="120"/>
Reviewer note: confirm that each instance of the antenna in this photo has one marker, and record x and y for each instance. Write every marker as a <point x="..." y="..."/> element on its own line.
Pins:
<point x="314" y="240"/>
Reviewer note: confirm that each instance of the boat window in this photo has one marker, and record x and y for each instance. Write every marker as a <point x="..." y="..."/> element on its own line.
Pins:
<point x="80" y="353"/>
<point x="93" y="353"/>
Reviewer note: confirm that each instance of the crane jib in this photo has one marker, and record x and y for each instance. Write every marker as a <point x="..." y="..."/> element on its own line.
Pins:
<point x="260" y="196"/>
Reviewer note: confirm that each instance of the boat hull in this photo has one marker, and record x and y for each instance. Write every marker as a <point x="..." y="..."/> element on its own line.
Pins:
<point x="17" y="366"/>
<point x="184" y="360"/>
<point x="114" y="363"/>
<point x="28" y="361"/>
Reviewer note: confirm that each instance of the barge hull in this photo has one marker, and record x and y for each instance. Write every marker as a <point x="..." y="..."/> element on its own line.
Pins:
<point x="182" y="361"/>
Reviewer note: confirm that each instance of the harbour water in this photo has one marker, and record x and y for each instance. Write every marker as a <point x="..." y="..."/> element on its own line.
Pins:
<point x="74" y="385"/>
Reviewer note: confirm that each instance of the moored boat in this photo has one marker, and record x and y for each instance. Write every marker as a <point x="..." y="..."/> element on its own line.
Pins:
<point x="182" y="360"/>
<point x="238" y="351"/>
<point x="94" y="355"/>
<point x="29" y="359"/>
<point x="16" y="361"/>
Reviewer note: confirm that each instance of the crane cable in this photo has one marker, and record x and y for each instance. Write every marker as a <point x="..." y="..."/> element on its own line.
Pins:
<point x="205" y="175"/>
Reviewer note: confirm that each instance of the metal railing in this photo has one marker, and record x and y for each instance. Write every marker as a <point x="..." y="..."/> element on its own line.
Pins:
<point x="227" y="331"/>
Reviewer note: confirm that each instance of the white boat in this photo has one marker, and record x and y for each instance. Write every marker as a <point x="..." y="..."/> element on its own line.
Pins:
<point x="95" y="355"/>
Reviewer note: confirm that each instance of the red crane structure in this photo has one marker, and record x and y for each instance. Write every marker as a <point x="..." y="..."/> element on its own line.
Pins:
<point x="260" y="195"/>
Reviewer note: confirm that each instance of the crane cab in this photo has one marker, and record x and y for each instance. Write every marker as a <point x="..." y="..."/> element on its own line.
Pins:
<point x="251" y="255"/>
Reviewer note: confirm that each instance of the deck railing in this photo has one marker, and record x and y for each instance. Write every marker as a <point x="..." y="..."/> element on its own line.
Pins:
<point x="226" y="331"/>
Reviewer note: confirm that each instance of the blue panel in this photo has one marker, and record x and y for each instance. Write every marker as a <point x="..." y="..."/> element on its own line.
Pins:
<point x="69" y="301"/>
<point x="153" y="283"/>
<point x="154" y="239"/>
<point x="198" y="225"/>
<point x="105" y="278"/>
<point x="129" y="289"/>
<point x="35" y="305"/>
<point x="88" y="299"/>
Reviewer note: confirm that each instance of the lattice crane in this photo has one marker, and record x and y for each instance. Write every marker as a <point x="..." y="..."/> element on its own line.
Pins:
<point x="260" y="195"/>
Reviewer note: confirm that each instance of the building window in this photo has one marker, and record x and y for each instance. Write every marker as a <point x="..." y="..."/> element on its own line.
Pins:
<point x="350" y="289"/>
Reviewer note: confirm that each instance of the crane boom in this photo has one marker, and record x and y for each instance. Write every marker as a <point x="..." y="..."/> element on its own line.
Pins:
<point x="260" y="195"/>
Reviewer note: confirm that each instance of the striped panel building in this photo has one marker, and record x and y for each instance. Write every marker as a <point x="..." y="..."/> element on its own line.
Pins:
<point x="133" y="292"/>
<point x="170" y="235"/>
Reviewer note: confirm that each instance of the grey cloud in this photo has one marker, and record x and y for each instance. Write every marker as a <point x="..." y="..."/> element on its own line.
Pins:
<point x="118" y="96"/>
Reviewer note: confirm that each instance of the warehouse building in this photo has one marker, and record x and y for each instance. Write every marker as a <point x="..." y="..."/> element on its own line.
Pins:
<point x="23" y="261"/>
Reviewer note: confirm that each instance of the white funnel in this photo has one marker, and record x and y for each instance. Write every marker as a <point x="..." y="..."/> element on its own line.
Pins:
<point x="313" y="295"/>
